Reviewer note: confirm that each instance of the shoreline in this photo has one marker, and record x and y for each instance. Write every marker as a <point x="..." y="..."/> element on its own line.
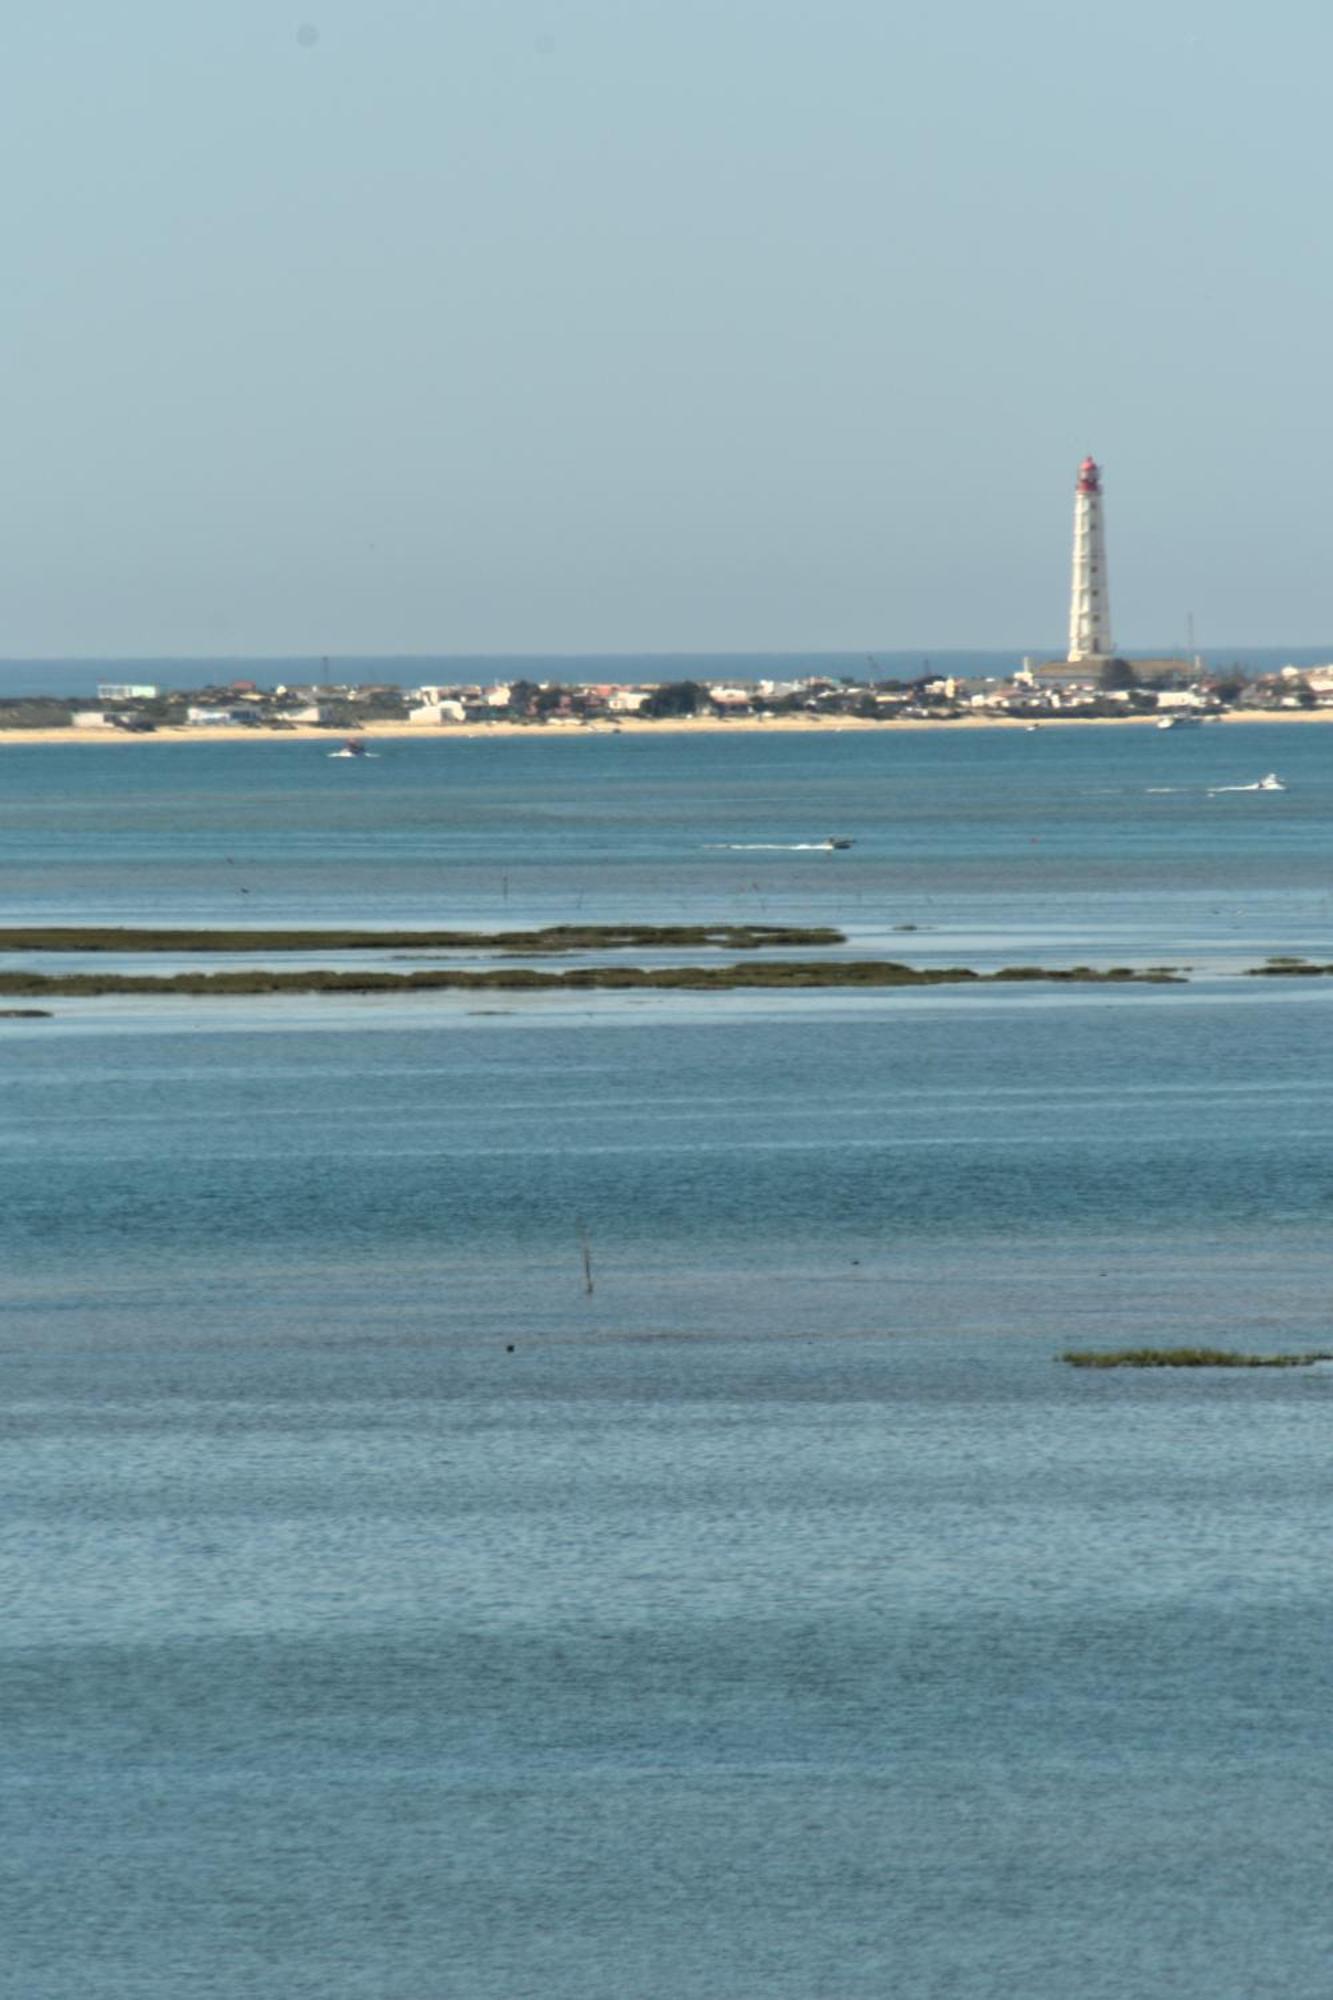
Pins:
<point x="400" y="732"/>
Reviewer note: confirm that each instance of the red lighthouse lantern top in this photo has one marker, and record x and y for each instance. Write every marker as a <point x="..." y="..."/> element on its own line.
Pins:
<point x="1089" y="476"/>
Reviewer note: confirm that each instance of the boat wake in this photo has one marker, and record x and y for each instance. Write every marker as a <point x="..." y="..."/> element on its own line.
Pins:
<point x="777" y="846"/>
<point x="1270" y="783"/>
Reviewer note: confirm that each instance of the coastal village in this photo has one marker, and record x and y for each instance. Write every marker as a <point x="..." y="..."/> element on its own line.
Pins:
<point x="1170" y="692"/>
<point x="1092" y="683"/>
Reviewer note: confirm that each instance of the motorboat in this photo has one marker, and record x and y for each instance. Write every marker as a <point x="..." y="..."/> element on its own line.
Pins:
<point x="1179" y="722"/>
<point x="835" y="845"/>
<point x="353" y="747"/>
<point x="1270" y="782"/>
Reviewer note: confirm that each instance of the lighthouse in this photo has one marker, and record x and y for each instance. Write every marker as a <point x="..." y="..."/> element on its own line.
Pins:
<point x="1089" y="603"/>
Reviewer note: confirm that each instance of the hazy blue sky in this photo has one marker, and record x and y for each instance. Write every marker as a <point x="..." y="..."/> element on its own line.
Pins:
<point x="599" y="324"/>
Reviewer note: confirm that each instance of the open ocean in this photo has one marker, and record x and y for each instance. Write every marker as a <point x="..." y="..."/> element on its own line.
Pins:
<point x="388" y="1619"/>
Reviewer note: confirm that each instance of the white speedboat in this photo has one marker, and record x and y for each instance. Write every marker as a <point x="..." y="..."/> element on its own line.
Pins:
<point x="1270" y="782"/>
<point x="353" y="747"/>
<point x="1179" y="722"/>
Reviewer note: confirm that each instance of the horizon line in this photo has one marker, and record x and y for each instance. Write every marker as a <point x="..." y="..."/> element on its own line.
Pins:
<point x="867" y="653"/>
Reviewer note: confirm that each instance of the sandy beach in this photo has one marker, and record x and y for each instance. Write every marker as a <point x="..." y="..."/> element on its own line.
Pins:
<point x="400" y="732"/>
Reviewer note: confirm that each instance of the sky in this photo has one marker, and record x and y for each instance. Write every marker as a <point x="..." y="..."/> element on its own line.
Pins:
<point x="358" y="326"/>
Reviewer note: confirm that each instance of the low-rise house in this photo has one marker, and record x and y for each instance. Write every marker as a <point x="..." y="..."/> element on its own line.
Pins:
<point x="432" y="714"/>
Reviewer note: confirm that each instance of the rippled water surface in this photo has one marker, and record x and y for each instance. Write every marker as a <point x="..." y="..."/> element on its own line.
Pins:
<point x="387" y="1615"/>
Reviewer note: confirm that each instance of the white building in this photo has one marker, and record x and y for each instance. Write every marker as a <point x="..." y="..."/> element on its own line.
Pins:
<point x="430" y="714"/>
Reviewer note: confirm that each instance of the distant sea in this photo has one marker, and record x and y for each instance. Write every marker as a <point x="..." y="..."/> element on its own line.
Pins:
<point x="81" y="676"/>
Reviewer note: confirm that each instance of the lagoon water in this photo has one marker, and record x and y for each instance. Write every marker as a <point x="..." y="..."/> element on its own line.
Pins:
<point x="386" y="1616"/>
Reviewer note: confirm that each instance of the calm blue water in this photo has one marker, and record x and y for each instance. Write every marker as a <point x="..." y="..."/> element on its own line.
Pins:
<point x="1103" y="842"/>
<point x="386" y="1616"/>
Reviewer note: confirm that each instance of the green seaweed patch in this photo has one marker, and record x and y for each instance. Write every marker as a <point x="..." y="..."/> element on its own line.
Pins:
<point x="1185" y="1357"/>
<point x="761" y="974"/>
<point x="1087" y="975"/>
<point x="550" y="938"/>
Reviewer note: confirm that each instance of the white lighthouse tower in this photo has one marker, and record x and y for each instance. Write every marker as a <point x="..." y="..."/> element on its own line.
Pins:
<point x="1090" y="602"/>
